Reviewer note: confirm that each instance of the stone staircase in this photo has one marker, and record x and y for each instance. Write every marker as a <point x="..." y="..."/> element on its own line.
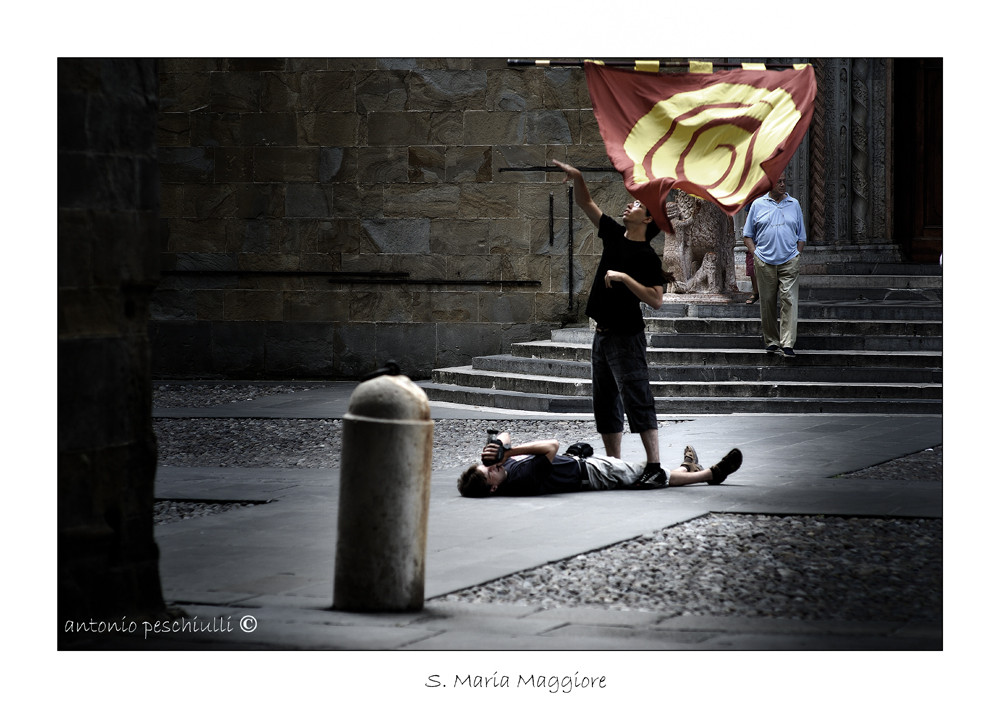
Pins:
<point x="870" y="341"/>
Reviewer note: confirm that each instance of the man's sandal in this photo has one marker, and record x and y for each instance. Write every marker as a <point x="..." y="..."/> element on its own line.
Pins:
<point x="691" y="460"/>
<point x="726" y="466"/>
<point x="755" y="298"/>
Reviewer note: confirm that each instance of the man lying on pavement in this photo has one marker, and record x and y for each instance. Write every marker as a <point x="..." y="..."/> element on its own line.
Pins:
<point x="536" y="468"/>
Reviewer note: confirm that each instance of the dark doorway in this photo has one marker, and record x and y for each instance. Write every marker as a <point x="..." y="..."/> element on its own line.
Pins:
<point x="917" y="158"/>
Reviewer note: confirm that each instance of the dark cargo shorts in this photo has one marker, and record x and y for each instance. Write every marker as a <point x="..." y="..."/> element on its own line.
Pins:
<point x="620" y="379"/>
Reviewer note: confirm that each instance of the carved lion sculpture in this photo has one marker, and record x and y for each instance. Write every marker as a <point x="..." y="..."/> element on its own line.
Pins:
<point x="700" y="230"/>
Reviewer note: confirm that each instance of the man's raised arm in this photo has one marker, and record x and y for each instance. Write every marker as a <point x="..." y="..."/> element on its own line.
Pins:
<point x="581" y="195"/>
<point x="549" y="448"/>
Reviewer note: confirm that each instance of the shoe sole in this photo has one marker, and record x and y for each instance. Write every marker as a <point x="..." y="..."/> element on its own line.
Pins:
<point x="649" y="484"/>
<point x="733" y="457"/>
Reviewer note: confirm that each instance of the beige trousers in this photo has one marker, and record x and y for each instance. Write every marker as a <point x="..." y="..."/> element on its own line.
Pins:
<point x="778" y="285"/>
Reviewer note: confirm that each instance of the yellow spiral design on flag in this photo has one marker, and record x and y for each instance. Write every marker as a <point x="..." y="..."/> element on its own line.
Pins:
<point x="716" y="136"/>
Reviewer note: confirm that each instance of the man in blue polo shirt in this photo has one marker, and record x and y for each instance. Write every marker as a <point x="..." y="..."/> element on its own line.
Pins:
<point x="775" y="235"/>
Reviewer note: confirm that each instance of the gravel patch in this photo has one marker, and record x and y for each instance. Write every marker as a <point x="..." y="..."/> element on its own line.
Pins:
<point x="924" y="466"/>
<point x="206" y="395"/>
<point x="171" y="511"/>
<point x="256" y="442"/>
<point x="793" y="567"/>
<point x="248" y="442"/>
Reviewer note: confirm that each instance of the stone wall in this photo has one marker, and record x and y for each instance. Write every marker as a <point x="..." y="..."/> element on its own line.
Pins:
<point x="324" y="215"/>
<point x="107" y="268"/>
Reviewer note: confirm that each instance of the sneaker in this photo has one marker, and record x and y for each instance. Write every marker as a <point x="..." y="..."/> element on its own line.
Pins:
<point x="788" y="351"/>
<point x="726" y="466"/>
<point x="773" y="349"/>
<point x="653" y="477"/>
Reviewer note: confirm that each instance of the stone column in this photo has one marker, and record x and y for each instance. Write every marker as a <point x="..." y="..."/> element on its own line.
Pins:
<point x="108" y="265"/>
<point x="860" y="159"/>
<point x="849" y="144"/>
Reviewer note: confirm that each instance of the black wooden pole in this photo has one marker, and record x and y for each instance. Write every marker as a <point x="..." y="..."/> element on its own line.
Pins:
<point x="638" y="64"/>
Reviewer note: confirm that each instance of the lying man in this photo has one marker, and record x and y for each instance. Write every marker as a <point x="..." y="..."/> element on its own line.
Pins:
<point x="535" y="468"/>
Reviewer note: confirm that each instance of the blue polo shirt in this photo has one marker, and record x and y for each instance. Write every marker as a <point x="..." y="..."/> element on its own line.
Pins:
<point x="775" y="228"/>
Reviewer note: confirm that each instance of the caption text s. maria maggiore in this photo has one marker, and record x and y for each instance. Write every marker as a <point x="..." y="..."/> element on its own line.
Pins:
<point x="552" y="684"/>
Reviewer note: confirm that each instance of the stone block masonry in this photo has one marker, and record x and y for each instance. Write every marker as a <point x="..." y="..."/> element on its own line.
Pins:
<point x="321" y="216"/>
<point x="107" y="237"/>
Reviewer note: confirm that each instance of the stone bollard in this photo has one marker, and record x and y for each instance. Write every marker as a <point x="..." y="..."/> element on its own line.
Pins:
<point x="385" y="474"/>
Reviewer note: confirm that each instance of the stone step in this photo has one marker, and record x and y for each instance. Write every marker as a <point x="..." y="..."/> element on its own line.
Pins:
<point x="873" y="293"/>
<point x="870" y="341"/>
<point x="899" y="281"/>
<point x="755" y="341"/>
<point x="514" y="400"/>
<point x="511" y="400"/>
<point x="766" y="368"/>
<point x="807" y="327"/>
<point x="580" y="351"/>
<point x="839" y="309"/>
<point x="568" y="386"/>
<point x="872" y="268"/>
<point x="805" y="342"/>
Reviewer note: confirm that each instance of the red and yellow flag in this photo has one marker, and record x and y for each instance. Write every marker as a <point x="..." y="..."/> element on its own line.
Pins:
<point x="725" y="137"/>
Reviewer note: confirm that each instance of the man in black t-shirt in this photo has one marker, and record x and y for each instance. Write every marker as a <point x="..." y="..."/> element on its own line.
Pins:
<point x="628" y="274"/>
<point x="536" y="468"/>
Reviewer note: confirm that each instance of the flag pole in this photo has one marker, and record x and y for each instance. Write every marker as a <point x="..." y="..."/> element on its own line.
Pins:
<point x="553" y="168"/>
<point x="639" y="64"/>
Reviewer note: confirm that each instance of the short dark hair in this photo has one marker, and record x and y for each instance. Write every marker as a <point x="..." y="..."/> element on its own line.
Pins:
<point x="473" y="484"/>
<point x="651" y="228"/>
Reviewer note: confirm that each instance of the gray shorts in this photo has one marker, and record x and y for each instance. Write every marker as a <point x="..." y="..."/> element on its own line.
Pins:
<point x="611" y="473"/>
<point x="620" y="379"/>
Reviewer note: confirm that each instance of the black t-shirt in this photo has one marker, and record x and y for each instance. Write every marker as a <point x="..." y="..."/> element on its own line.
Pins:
<point x="617" y="308"/>
<point x="532" y="475"/>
